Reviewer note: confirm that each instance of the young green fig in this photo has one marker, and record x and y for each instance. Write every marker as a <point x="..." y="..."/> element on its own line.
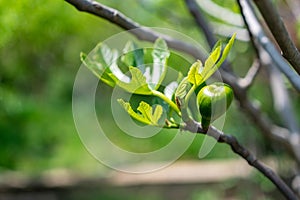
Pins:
<point x="213" y="101"/>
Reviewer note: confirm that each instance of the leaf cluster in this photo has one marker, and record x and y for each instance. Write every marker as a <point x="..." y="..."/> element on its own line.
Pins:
<point x="145" y="79"/>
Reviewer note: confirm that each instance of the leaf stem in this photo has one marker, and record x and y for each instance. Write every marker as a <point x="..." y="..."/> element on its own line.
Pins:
<point x="189" y="94"/>
<point x="167" y="100"/>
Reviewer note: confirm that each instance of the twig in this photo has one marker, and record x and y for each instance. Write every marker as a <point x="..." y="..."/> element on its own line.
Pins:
<point x="277" y="27"/>
<point x="237" y="148"/>
<point x="247" y="81"/>
<point x="141" y="32"/>
<point x="262" y="40"/>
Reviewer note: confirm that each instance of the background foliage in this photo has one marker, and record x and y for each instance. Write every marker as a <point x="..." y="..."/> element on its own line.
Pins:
<point x="39" y="49"/>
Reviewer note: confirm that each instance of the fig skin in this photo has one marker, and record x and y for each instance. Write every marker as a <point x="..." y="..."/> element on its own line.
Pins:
<point x="213" y="101"/>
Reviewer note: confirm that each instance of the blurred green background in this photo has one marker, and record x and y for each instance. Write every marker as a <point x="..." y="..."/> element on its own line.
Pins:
<point x="40" y="43"/>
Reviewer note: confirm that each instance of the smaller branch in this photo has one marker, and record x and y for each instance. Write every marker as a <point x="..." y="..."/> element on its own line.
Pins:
<point x="278" y="29"/>
<point x="167" y="100"/>
<point x="141" y="32"/>
<point x="260" y="39"/>
<point x="282" y="135"/>
<point x="237" y="148"/>
<point x="251" y="74"/>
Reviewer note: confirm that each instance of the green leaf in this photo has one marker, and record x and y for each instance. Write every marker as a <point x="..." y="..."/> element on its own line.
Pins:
<point x="107" y="54"/>
<point x="147" y="115"/>
<point x="227" y="49"/>
<point x="128" y="56"/>
<point x="210" y="64"/>
<point x="110" y="58"/>
<point x="217" y="57"/>
<point x="170" y="89"/>
<point x="183" y="88"/>
<point x="103" y="63"/>
<point x="147" y="112"/>
<point x="130" y="111"/>
<point x="194" y="75"/>
<point x="160" y="55"/>
<point x="133" y="56"/>
<point x="137" y="84"/>
<point x="158" y="111"/>
<point x="199" y="74"/>
<point x="99" y="70"/>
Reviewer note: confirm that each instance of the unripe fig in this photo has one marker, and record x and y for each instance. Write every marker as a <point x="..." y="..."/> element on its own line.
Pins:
<point x="213" y="101"/>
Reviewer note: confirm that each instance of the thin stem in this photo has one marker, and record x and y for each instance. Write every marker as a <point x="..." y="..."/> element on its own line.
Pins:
<point x="167" y="100"/>
<point x="189" y="94"/>
<point x="251" y="74"/>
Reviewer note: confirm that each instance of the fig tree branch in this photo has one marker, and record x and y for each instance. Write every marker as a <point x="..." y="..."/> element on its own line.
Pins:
<point x="237" y="148"/>
<point x="147" y="34"/>
<point x="268" y="129"/>
<point x="141" y="32"/>
<point x="260" y="39"/>
<point x="281" y="35"/>
<point x="265" y="56"/>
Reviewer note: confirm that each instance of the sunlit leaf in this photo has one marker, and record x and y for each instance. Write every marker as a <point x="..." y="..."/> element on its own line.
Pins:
<point x="183" y="88"/>
<point x="227" y="49"/>
<point x="137" y="84"/>
<point x="219" y="57"/>
<point x="99" y="70"/>
<point x="194" y="75"/>
<point x="103" y="63"/>
<point x="147" y="116"/>
<point x="110" y="57"/>
<point x="133" y="56"/>
<point x="199" y="74"/>
<point x="158" y="111"/>
<point x="170" y="89"/>
<point x="130" y="111"/>
<point x="210" y="63"/>
<point x="181" y="92"/>
<point x="147" y="112"/>
<point x="160" y="55"/>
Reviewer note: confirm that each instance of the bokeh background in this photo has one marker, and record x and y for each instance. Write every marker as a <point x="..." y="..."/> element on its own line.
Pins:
<point x="40" y="43"/>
